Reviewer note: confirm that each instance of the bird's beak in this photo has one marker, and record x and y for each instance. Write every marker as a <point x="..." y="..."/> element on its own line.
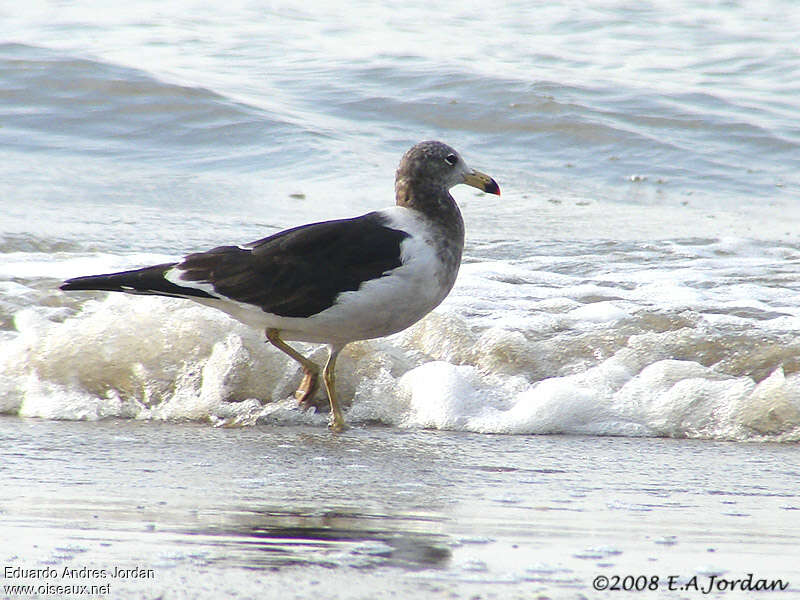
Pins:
<point x="482" y="181"/>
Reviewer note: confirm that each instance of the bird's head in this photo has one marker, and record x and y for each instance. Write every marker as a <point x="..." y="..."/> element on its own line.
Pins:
<point x="435" y="164"/>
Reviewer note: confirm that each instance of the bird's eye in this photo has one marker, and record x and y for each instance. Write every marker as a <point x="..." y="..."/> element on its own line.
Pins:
<point x="451" y="159"/>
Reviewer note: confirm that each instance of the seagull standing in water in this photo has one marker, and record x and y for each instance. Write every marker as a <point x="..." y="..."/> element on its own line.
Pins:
<point x="332" y="282"/>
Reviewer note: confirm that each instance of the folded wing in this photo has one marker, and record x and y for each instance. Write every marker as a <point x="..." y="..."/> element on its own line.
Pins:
<point x="295" y="273"/>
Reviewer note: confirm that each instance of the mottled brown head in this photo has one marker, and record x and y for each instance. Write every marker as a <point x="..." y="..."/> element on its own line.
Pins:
<point x="429" y="169"/>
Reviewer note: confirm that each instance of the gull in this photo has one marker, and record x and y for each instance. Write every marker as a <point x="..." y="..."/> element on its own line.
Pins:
<point x="332" y="282"/>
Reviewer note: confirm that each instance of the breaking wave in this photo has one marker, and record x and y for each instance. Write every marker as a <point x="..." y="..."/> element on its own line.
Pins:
<point x="164" y="359"/>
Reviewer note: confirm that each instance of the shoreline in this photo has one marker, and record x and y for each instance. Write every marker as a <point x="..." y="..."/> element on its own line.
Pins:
<point x="256" y="511"/>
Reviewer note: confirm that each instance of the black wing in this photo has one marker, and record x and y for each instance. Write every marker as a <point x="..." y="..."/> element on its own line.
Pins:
<point x="294" y="273"/>
<point x="299" y="272"/>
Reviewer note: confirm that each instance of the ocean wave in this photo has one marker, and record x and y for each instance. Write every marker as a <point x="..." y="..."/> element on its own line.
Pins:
<point x="163" y="359"/>
<point x="612" y="131"/>
<point x="76" y="104"/>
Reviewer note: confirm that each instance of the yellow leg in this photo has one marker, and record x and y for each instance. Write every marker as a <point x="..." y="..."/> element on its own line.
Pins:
<point x="336" y="422"/>
<point x="310" y="369"/>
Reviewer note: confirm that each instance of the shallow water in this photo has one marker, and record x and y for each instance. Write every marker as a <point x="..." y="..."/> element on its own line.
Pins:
<point x="293" y="511"/>
<point x="634" y="287"/>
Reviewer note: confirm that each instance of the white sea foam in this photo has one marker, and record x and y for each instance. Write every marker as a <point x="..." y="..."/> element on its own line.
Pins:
<point x="163" y="359"/>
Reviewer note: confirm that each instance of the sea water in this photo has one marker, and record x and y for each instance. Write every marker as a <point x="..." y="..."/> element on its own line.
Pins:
<point x="635" y="279"/>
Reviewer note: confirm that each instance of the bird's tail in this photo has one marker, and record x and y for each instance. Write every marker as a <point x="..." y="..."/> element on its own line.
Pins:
<point x="149" y="280"/>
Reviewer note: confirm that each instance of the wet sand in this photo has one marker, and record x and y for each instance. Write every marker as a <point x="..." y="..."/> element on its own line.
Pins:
<point x="170" y="510"/>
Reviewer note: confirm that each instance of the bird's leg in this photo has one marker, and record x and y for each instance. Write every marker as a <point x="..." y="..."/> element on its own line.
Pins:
<point x="307" y="387"/>
<point x="311" y="371"/>
<point x="336" y="422"/>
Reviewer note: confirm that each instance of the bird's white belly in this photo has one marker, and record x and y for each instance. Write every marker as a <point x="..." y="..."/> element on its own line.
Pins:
<point x="380" y="307"/>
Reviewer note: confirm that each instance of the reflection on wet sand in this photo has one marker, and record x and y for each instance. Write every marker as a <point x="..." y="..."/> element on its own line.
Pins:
<point x="269" y="538"/>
